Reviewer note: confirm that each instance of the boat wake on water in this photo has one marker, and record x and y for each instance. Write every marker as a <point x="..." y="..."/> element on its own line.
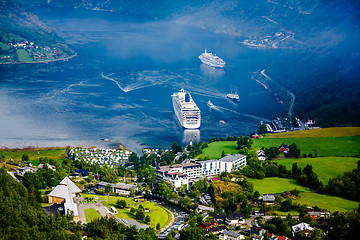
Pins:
<point x="138" y="80"/>
<point x="212" y="106"/>
<point x="257" y="118"/>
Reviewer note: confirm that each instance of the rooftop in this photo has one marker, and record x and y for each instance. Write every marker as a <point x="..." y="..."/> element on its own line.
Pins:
<point x="232" y="158"/>
<point x="232" y="234"/>
<point x="65" y="190"/>
<point x="181" y="165"/>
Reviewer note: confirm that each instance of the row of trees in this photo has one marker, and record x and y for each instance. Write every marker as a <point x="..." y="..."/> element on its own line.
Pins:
<point x="347" y="186"/>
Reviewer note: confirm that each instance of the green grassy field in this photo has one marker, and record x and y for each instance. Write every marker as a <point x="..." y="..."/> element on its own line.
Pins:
<point x="91" y="214"/>
<point x="324" y="167"/>
<point x="325" y="147"/>
<point x="24" y="56"/>
<point x="330" y="203"/>
<point x="34" y="154"/>
<point x="279" y="185"/>
<point x="276" y="185"/>
<point x="329" y="146"/>
<point x="214" y="149"/>
<point x="339" y="142"/>
<point x="158" y="213"/>
<point x="322" y="132"/>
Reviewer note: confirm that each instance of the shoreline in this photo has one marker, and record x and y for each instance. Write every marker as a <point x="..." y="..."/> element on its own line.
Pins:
<point x="47" y="61"/>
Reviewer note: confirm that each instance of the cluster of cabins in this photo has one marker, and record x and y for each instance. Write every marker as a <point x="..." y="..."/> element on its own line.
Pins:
<point x="100" y="156"/>
<point x="185" y="174"/>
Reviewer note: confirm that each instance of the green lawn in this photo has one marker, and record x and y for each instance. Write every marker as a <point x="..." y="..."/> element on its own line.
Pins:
<point x="330" y="203"/>
<point x="325" y="147"/>
<point x="324" y="167"/>
<point x="276" y="185"/>
<point x="321" y="132"/>
<point x="214" y="149"/>
<point x="91" y="214"/>
<point x="24" y="55"/>
<point x="158" y="213"/>
<point x="279" y="185"/>
<point x="34" y="154"/>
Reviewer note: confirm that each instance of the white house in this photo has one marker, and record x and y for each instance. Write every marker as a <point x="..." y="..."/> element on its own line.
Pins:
<point x="261" y="155"/>
<point x="269" y="198"/>
<point x="235" y="219"/>
<point x="229" y="235"/>
<point x="21" y="171"/>
<point x="301" y="227"/>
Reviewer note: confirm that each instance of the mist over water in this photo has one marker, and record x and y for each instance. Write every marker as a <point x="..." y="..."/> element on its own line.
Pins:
<point x="120" y="85"/>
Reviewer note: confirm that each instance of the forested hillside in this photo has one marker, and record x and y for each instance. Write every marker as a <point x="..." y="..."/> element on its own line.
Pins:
<point x="24" y="218"/>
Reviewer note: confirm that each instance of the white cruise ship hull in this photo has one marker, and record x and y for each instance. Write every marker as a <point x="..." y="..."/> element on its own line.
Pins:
<point x="211" y="60"/>
<point x="185" y="123"/>
<point x="212" y="64"/>
<point x="186" y="110"/>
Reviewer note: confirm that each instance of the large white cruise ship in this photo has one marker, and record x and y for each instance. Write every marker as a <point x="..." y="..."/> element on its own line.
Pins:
<point x="186" y="110"/>
<point x="211" y="60"/>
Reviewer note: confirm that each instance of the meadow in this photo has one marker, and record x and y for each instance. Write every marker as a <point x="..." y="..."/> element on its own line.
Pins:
<point x="324" y="167"/>
<point x="34" y="154"/>
<point x="322" y="146"/>
<point x="276" y="185"/>
<point x="321" y="132"/>
<point x="279" y="185"/>
<point x="348" y="146"/>
<point x="214" y="149"/>
<point x="331" y="203"/>
<point x="158" y="213"/>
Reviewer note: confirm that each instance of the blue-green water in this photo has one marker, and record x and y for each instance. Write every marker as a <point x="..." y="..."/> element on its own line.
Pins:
<point x="72" y="103"/>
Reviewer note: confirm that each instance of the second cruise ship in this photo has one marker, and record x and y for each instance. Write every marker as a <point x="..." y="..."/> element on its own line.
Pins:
<point x="186" y="110"/>
<point x="211" y="60"/>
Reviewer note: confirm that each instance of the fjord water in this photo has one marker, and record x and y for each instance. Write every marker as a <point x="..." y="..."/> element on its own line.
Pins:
<point x="120" y="84"/>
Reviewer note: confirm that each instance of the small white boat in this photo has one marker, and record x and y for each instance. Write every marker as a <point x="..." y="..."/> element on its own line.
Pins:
<point x="233" y="96"/>
<point x="210" y="104"/>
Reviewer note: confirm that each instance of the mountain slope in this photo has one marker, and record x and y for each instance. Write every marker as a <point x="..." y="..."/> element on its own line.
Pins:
<point x="20" y="25"/>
